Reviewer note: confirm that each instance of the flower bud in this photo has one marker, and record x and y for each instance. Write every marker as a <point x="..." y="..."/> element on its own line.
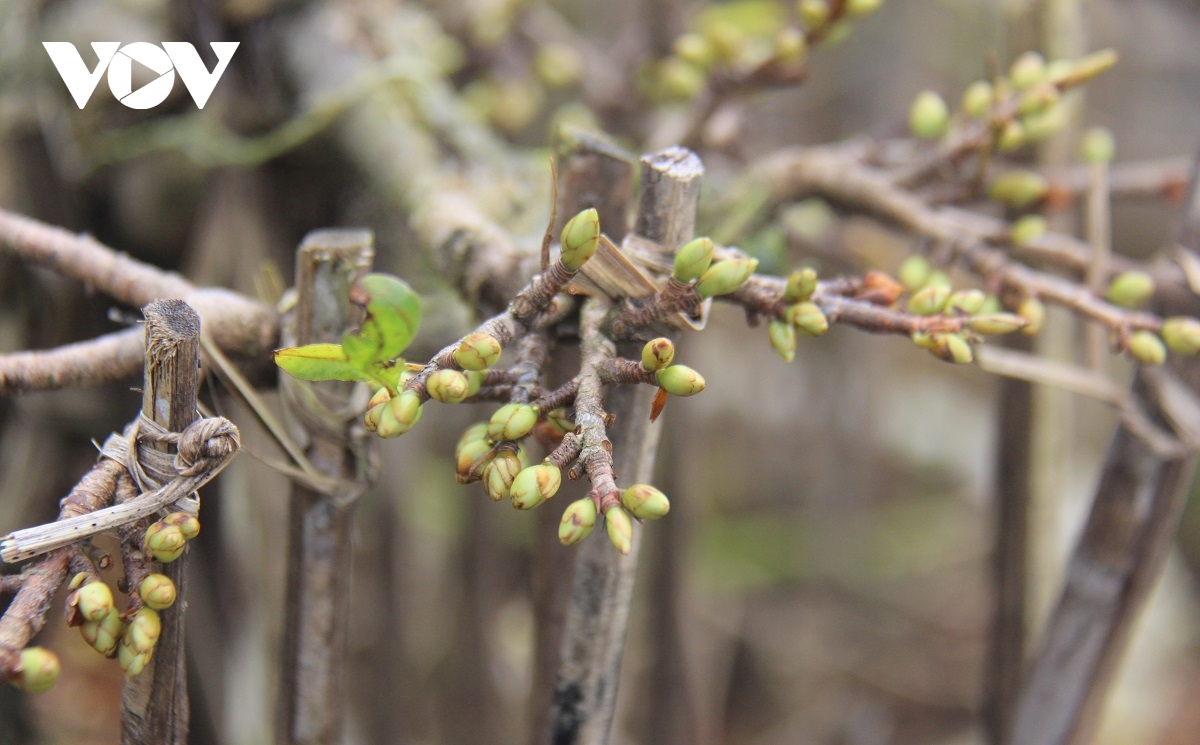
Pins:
<point x="923" y="339"/>
<point x="399" y="415"/>
<point x="38" y="671"/>
<point x="1028" y="229"/>
<point x="1041" y="125"/>
<point x="800" y="285"/>
<point x="373" y="416"/>
<point x="1182" y="334"/>
<point x="447" y="386"/>
<point x="724" y="277"/>
<point x="965" y="302"/>
<point x="1074" y="72"/>
<point x="1034" y="313"/>
<point x="477" y="352"/>
<point x="474" y="381"/>
<point x="77" y="580"/>
<point x="477" y="431"/>
<point x="996" y="323"/>
<point x="1037" y="99"/>
<point x="499" y="475"/>
<point x="929" y="300"/>
<point x="807" y="318"/>
<point x="1130" y="289"/>
<point x="1147" y="348"/>
<point x="164" y="542"/>
<point x="94" y="601"/>
<point x="914" y="272"/>
<point x="928" y="117"/>
<point x="104" y="634"/>
<point x="131" y="662"/>
<point x="558" y="420"/>
<point x="680" y="380"/>
<point x="657" y="354"/>
<point x="1012" y="137"/>
<point x="679" y="80"/>
<point x="143" y="630"/>
<point x="1019" y="189"/>
<point x="1027" y="69"/>
<point x="535" y="485"/>
<point x="783" y="339"/>
<point x="645" y="502"/>
<point x="467" y="455"/>
<point x="381" y="396"/>
<point x="157" y="591"/>
<point x="620" y="528"/>
<point x="952" y="348"/>
<point x="693" y="259"/>
<point x="512" y="422"/>
<point x="580" y="237"/>
<point x="577" y="521"/>
<point x="977" y="99"/>
<point x="189" y="525"/>
<point x="1097" y="146"/>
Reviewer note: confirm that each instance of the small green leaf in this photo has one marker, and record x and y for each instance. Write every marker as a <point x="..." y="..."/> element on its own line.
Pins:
<point x="393" y="316"/>
<point x="317" y="362"/>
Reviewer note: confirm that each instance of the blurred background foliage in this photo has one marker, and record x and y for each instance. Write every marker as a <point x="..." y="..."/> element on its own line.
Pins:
<point x="824" y="575"/>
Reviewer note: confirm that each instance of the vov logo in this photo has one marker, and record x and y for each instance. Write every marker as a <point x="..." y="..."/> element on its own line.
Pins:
<point x="118" y="60"/>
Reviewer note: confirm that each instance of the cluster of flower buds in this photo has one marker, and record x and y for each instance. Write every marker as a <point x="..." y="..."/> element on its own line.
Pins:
<point x="130" y="637"/>
<point x="640" y="501"/>
<point x="800" y="316"/>
<point x="165" y="539"/>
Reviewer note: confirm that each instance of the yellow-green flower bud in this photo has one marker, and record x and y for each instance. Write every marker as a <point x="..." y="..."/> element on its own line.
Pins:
<point x="1027" y="69"/>
<point x="477" y="352"/>
<point x="679" y="80"/>
<point x="783" y="339"/>
<point x="580" y="237"/>
<point x="680" y="380"/>
<point x="914" y="272"/>
<point x="499" y="475"/>
<point x="1012" y="137"/>
<point x="143" y="630"/>
<point x="807" y="318"/>
<point x="923" y="339"/>
<point x="1028" y="229"/>
<point x="657" y="354"/>
<point x="1019" y="189"/>
<point x="1182" y="334"/>
<point x="447" y="386"/>
<point x="477" y="431"/>
<point x="1042" y="125"/>
<point x="645" y="502"/>
<point x="1130" y="289"/>
<point x="929" y="300"/>
<point x="965" y="302"/>
<point x="814" y="13"/>
<point x="1147" y="348"/>
<point x="474" y="381"/>
<point x="952" y="348"/>
<point x="724" y="277"/>
<point x="977" y="99"/>
<point x="38" y="671"/>
<point x="860" y="8"/>
<point x="800" y="285"/>
<point x="928" y="117"/>
<point x="164" y="542"/>
<point x="1097" y="146"/>
<point x="399" y="415"/>
<point x="512" y="422"/>
<point x="104" y="634"/>
<point x="77" y="580"/>
<point x="1034" y="313"/>
<point x="1037" y="99"/>
<point x="466" y="456"/>
<point x="189" y="525"/>
<point x="131" y="662"/>
<point x="577" y="521"/>
<point x="381" y="396"/>
<point x="692" y="260"/>
<point x="620" y="528"/>
<point x="94" y="601"/>
<point x="1083" y="69"/>
<point x="996" y="323"/>
<point x="373" y="415"/>
<point x="535" y="485"/>
<point x="157" y="591"/>
<point x="694" y="48"/>
<point x="558" y="420"/>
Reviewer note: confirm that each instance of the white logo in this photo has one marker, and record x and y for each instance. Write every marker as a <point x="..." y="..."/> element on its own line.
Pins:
<point x="118" y="60"/>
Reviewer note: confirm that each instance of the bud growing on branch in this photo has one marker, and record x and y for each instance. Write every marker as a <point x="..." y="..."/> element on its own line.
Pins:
<point x="620" y="528"/>
<point x="39" y="670"/>
<point x="477" y="352"/>
<point x="580" y="237"/>
<point x="692" y="260"/>
<point x="645" y="502"/>
<point x="657" y="354"/>
<point x="577" y="521"/>
<point x="680" y="380"/>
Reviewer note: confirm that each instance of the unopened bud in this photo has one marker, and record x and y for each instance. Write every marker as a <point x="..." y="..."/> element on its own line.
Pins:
<point x="400" y="415"/>
<point x="1034" y="313"/>
<point x="965" y="302"/>
<point x="783" y="339"/>
<point x="952" y="348"/>
<point x="1012" y="137"/>
<point x="477" y="352"/>
<point x="977" y="99"/>
<point x="39" y="670"/>
<point x="104" y="634"/>
<point x="1130" y="289"/>
<point x="580" y="237"/>
<point x="535" y="485"/>
<point x="189" y="525"/>
<point x="1147" y="348"/>
<point x="800" y="285"/>
<point x="680" y="380"/>
<point x="466" y="456"/>
<point x="131" y="662"/>
<point x="807" y="318"/>
<point x="692" y="259"/>
<point x="157" y="591"/>
<point x="447" y="386"/>
<point x="1097" y="145"/>
<point x="1027" y="69"/>
<point x="645" y="502"/>
<point x="929" y="300"/>
<point x="499" y="475"/>
<point x="1182" y="334"/>
<point x="657" y="354"/>
<point x="1028" y="229"/>
<point x="928" y="117"/>
<point x="1019" y="189"/>
<point x="164" y="542"/>
<point x="620" y="528"/>
<point x="512" y="422"/>
<point x="143" y="630"/>
<point x="914" y="272"/>
<point x="724" y="277"/>
<point x="996" y="323"/>
<point x="94" y="601"/>
<point x="577" y="521"/>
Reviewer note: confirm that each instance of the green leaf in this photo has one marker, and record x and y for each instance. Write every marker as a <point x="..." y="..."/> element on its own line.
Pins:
<point x="317" y="362"/>
<point x="393" y="316"/>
